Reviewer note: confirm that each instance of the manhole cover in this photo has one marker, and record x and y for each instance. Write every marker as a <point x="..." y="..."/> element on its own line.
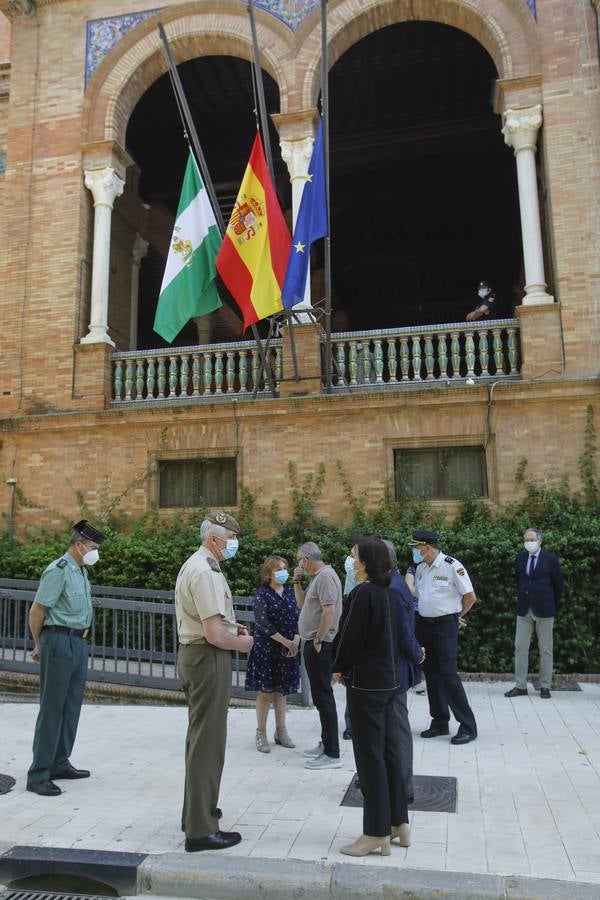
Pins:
<point x="7" y="783"/>
<point x="433" y="793"/>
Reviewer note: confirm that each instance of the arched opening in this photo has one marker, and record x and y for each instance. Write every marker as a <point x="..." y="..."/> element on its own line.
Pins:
<point x="424" y="193"/>
<point x="220" y="93"/>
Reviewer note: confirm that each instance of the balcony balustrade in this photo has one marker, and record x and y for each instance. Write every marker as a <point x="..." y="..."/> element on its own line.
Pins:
<point x="364" y="359"/>
<point x="454" y="352"/>
<point x="209" y="371"/>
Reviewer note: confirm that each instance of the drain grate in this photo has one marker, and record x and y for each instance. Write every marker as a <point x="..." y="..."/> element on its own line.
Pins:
<point x="7" y="783"/>
<point x="45" y="895"/>
<point x="433" y="793"/>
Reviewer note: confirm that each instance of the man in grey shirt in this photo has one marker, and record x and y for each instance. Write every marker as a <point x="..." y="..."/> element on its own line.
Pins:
<point x="321" y="608"/>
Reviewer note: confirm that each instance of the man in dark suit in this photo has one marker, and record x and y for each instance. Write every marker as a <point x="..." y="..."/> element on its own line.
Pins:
<point x="539" y="588"/>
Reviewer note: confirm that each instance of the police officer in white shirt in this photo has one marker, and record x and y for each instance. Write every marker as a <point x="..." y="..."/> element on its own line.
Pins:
<point x="445" y="595"/>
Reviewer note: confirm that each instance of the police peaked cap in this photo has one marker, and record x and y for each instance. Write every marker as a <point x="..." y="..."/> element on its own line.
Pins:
<point x="88" y="532"/>
<point x="224" y="519"/>
<point x="484" y="283"/>
<point x="424" y="537"/>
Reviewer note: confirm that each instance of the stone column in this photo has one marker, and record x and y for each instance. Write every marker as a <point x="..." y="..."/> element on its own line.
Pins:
<point x="105" y="186"/>
<point x="297" y="136"/>
<point x="520" y="131"/>
<point x="140" y="249"/>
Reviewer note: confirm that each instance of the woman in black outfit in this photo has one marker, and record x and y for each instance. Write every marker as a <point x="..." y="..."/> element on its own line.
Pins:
<point x="374" y="646"/>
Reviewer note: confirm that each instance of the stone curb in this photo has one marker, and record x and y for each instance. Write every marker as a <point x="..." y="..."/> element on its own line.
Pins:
<point x="236" y="878"/>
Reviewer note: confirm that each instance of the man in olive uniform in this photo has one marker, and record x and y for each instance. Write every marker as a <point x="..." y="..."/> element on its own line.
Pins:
<point x="59" y="619"/>
<point x="207" y="633"/>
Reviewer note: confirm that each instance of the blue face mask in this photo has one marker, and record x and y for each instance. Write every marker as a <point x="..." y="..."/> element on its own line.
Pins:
<point x="349" y="565"/>
<point x="231" y="549"/>
<point x="417" y="556"/>
<point x="350" y="583"/>
<point x="281" y="576"/>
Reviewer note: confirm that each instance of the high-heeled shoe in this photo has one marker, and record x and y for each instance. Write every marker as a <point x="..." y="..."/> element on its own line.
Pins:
<point x="364" y="845"/>
<point x="262" y="744"/>
<point x="402" y="832"/>
<point x="282" y="738"/>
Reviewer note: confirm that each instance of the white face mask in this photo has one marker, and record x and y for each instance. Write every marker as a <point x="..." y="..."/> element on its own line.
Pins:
<point x="532" y="546"/>
<point x="90" y="558"/>
<point x="483" y="292"/>
<point x="349" y="565"/>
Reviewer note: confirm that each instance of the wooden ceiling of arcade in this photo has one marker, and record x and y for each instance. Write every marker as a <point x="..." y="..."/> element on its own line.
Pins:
<point x="423" y="190"/>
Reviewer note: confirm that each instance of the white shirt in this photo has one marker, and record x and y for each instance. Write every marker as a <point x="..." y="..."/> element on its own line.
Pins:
<point x="441" y="586"/>
<point x="532" y="561"/>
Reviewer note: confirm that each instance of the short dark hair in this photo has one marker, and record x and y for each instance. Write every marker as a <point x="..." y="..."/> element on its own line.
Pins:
<point x="375" y="557"/>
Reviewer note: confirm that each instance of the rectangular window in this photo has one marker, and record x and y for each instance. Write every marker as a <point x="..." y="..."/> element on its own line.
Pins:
<point x="443" y="473"/>
<point x="197" y="482"/>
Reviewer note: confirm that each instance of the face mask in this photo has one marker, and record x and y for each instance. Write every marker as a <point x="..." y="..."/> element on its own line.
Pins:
<point x="281" y="576"/>
<point x="482" y="292"/>
<point x="417" y="556"/>
<point x="231" y="549"/>
<point x="350" y="583"/>
<point x="349" y="565"/>
<point x="90" y="558"/>
<point x="532" y="546"/>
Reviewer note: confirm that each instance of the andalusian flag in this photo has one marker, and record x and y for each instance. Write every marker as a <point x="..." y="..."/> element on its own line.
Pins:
<point x="255" y="250"/>
<point x="188" y="288"/>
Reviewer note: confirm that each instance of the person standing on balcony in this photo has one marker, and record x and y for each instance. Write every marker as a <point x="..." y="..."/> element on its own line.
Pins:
<point x="321" y="608"/>
<point x="273" y="670"/>
<point x="539" y="589"/>
<point x="59" y="620"/>
<point x="486" y="303"/>
<point x="445" y="595"/>
<point x="208" y="632"/>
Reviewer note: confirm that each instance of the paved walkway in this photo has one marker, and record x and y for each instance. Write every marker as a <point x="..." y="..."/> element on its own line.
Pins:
<point x="528" y="788"/>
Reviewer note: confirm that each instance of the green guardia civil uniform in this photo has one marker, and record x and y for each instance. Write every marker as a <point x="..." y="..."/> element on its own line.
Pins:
<point x="64" y="590"/>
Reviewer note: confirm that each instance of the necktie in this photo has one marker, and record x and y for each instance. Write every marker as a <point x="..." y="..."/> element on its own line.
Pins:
<point x="531" y="565"/>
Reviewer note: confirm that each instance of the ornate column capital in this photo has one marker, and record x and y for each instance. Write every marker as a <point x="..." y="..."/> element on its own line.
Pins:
<point x="296" y="154"/>
<point x="521" y="127"/>
<point x="140" y="249"/>
<point x="105" y="186"/>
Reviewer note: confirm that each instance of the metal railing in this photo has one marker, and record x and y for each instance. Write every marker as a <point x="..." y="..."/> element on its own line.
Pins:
<point x="133" y="638"/>
<point x="429" y="353"/>
<point x="208" y="371"/>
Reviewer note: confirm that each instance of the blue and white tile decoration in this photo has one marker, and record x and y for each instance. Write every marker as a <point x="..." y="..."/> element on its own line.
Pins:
<point x="104" y="34"/>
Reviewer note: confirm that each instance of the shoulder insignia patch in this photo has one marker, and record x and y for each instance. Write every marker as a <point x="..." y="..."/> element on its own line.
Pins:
<point x="460" y="571"/>
<point x="61" y="564"/>
<point x="213" y="564"/>
<point x="449" y="559"/>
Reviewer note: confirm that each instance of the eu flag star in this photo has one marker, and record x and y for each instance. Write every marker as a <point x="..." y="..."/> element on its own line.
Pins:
<point x="309" y="176"/>
<point x="299" y="248"/>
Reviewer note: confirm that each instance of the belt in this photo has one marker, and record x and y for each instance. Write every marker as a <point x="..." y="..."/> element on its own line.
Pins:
<point x="437" y="618"/>
<point x="73" y="632"/>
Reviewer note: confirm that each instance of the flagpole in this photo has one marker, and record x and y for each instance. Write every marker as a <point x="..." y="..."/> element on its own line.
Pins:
<point x="188" y="124"/>
<point x="325" y="115"/>
<point x="262" y="103"/>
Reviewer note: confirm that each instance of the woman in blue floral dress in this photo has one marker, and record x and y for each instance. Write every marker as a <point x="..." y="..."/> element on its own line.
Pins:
<point x="273" y="669"/>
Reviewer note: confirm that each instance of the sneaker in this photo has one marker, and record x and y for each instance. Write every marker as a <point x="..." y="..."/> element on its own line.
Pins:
<point x="323" y="762"/>
<point x="315" y="752"/>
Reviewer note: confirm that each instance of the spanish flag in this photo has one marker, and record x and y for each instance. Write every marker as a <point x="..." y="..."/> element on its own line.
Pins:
<point x="255" y="250"/>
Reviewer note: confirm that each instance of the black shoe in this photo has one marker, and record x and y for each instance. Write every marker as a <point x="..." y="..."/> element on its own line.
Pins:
<point x="516" y="692"/>
<point x="220" y="840"/>
<point x="44" y="788"/>
<point x="347" y="735"/>
<point x="545" y="693"/>
<point x="434" y="732"/>
<point x="71" y="773"/>
<point x="463" y="737"/>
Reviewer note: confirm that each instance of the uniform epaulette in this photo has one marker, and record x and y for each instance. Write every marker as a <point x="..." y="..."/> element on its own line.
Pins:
<point x="449" y="559"/>
<point x="61" y="564"/>
<point x="213" y="564"/>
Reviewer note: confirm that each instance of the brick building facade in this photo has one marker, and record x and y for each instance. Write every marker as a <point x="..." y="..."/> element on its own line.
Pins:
<point x="85" y="413"/>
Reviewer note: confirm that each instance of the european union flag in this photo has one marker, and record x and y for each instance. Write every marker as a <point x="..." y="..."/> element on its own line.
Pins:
<point x="311" y="225"/>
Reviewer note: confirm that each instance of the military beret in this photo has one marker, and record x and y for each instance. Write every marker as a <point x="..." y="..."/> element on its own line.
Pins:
<point x="424" y="537"/>
<point x="88" y="532"/>
<point x="224" y="519"/>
